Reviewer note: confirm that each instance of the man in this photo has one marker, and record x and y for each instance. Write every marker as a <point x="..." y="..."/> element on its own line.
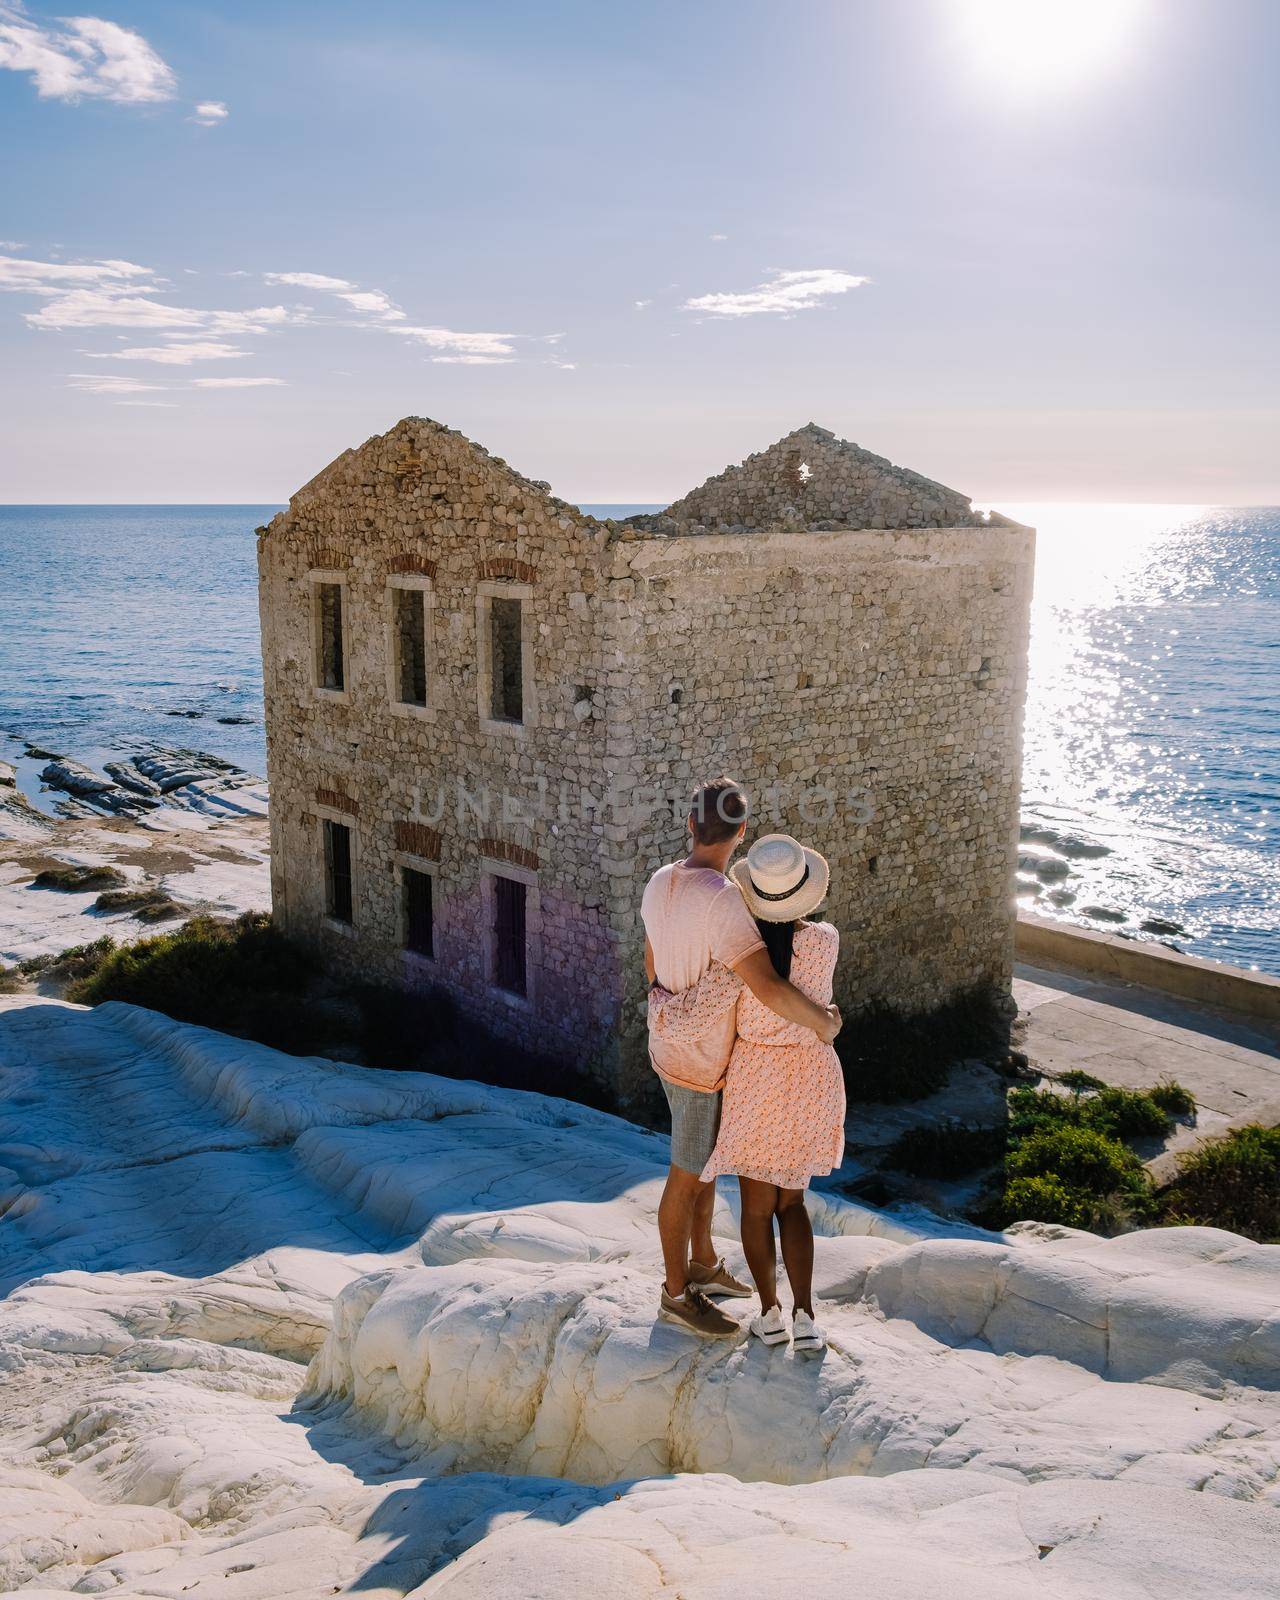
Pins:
<point x="694" y="916"/>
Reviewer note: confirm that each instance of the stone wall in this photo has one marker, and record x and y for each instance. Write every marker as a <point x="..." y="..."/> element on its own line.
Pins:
<point x="880" y="672"/>
<point x="423" y="504"/>
<point x="875" y="681"/>
<point x="810" y="479"/>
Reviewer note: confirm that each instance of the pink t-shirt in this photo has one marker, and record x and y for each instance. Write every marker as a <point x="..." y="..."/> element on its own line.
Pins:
<point x="694" y="916"/>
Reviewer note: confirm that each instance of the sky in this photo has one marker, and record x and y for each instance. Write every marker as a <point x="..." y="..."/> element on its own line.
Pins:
<point x="1027" y="247"/>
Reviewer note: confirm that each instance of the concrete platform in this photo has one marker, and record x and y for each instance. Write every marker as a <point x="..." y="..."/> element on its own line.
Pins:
<point x="1132" y="1037"/>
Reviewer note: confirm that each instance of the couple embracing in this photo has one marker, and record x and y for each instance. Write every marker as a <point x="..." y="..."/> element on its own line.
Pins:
<point x="740" y="1033"/>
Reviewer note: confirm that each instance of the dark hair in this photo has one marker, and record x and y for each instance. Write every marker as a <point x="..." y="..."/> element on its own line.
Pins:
<point x="718" y="810"/>
<point x="779" y="938"/>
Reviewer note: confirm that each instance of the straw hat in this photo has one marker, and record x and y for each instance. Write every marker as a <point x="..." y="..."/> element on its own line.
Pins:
<point x="781" y="880"/>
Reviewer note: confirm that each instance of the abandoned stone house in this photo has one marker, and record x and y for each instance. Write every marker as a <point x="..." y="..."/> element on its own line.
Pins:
<point x="486" y="710"/>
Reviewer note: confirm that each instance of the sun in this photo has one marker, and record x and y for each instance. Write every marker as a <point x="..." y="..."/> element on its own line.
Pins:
<point x="1042" y="44"/>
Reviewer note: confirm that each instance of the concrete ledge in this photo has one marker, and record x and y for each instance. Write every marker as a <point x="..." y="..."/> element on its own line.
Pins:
<point x="1041" y="940"/>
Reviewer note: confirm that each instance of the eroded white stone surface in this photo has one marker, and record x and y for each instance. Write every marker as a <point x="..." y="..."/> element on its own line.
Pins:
<point x="489" y="1407"/>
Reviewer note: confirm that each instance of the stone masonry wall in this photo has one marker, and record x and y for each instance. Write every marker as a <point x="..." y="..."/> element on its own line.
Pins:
<point x="881" y="674"/>
<point x="810" y="479"/>
<point x="422" y="502"/>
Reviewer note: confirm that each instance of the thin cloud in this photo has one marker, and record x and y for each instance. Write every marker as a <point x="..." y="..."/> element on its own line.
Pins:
<point x="209" y="113"/>
<point x="105" y="383"/>
<point x="179" y="354"/>
<point x="94" y="308"/>
<point x="117" y="384"/>
<point x="261" y="319"/>
<point x="718" y="238"/>
<point x="120" y="294"/>
<point x="453" y="347"/>
<point x="454" y="344"/>
<point x="84" y="58"/>
<point x="302" y="280"/>
<point x="783" y="294"/>
<point x="368" y="302"/>
<point x="101" y="308"/>
<point x="473" y="361"/>
<point x="237" y="383"/>
<point x="374" y="303"/>
<point x="123" y="295"/>
<point x="22" y="276"/>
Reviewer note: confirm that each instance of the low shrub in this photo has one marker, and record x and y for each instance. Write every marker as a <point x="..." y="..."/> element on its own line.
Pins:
<point x="146" y="903"/>
<point x="1044" y="1198"/>
<point x="1079" y="1081"/>
<point x="890" y="1057"/>
<point x="1119" y="1113"/>
<point x="1081" y="1157"/>
<point x="1125" y="1114"/>
<point x="79" y="878"/>
<point x="10" y="980"/>
<point x="1061" y="1170"/>
<point x="72" y="965"/>
<point x="1031" y="1109"/>
<point x="945" y="1150"/>
<point x="1173" y="1099"/>
<point x="243" y="977"/>
<point x="1232" y="1182"/>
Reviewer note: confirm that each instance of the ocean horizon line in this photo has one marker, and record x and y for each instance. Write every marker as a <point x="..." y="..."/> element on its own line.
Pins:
<point x="977" y="500"/>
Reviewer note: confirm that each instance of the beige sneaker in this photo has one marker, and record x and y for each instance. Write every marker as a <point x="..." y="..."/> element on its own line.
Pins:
<point x="694" y="1311"/>
<point x="718" y="1280"/>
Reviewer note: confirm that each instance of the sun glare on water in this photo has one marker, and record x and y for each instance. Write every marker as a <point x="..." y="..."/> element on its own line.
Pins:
<point x="1043" y="44"/>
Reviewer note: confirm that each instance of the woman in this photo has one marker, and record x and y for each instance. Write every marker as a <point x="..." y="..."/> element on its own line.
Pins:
<point x="782" y="1121"/>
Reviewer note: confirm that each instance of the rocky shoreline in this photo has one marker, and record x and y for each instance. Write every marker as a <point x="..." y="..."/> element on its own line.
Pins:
<point x="1053" y="880"/>
<point x="155" y="837"/>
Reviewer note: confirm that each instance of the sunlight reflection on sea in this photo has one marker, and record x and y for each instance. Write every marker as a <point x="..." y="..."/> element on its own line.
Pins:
<point x="1151" y="715"/>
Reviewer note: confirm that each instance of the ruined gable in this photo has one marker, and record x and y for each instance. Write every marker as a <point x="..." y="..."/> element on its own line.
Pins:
<point x="812" y="479"/>
<point x="421" y="468"/>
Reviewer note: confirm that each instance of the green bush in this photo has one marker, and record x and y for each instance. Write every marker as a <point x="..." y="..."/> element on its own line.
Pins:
<point x="1119" y="1113"/>
<point x="1081" y="1157"/>
<point x="1173" y="1099"/>
<point x="76" y="962"/>
<point x="1125" y="1114"/>
<point x="1232" y="1182"/>
<point x="1069" y="1162"/>
<point x="945" y="1150"/>
<point x="1078" y="1081"/>
<point x="1044" y="1198"/>
<point x="243" y="977"/>
<point x="246" y="978"/>
<point x="1032" y="1109"/>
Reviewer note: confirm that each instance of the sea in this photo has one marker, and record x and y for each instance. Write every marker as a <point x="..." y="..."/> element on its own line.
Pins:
<point x="1153" y="713"/>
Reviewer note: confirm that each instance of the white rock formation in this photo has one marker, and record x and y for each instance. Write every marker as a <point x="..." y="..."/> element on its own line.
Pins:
<point x="191" y="1219"/>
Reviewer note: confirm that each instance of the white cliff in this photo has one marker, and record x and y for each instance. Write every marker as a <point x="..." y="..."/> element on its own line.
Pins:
<point x="281" y="1327"/>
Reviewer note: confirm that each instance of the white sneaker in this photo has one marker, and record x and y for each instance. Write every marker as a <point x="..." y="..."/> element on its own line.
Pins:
<point x="769" y="1328"/>
<point x="807" y="1336"/>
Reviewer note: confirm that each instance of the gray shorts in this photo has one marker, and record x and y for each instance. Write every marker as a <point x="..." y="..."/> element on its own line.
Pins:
<point x="695" y="1124"/>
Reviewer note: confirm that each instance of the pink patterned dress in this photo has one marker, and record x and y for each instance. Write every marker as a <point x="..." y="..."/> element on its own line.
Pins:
<point x="783" y="1114"/>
